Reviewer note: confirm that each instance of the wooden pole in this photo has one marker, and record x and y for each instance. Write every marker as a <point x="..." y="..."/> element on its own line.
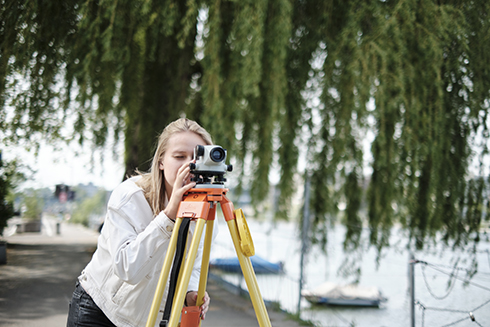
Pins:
<point x="304" y="236"/>
<point x="411" y="280"/>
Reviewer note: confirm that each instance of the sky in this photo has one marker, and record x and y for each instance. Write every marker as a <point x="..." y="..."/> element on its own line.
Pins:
<point x="72" y="165"/>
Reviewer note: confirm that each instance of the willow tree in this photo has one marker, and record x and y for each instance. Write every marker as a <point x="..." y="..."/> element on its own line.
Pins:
<point x="424" y="64"/>
<point x="271" y="79"/>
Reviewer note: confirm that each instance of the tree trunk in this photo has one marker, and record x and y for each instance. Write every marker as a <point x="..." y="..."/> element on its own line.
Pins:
<point x="165" y="90"/>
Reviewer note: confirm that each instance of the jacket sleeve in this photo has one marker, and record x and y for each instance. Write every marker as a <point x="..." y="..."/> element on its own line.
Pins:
<point x="136" y="241"/>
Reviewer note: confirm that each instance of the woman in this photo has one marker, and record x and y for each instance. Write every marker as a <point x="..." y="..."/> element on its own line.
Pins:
<point x="117" y="286"/>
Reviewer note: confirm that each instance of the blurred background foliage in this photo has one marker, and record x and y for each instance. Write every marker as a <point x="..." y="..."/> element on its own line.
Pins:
<point x="32" y="206"/>
<point x="12" y="174"/>
<point x="289" y="87"/>
<point x="90" y="209"/>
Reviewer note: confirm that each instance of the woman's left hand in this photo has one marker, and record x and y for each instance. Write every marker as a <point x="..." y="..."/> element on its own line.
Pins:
<point x="191" y="299"/>
<point x="181" y="185"/>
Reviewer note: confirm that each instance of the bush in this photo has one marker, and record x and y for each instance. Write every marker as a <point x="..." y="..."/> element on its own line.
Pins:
<point x="96" y="205"/>
<point x="6" y="207"/>
<point x="10" y="177"/>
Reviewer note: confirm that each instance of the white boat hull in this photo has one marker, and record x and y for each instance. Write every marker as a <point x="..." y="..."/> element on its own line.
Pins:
<point x="349" y="295"/>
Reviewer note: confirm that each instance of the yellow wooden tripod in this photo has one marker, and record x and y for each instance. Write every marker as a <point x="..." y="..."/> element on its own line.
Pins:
<point x="200" y="204"/>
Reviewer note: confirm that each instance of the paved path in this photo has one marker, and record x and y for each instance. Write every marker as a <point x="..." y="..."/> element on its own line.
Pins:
<point x="37" y="282"/>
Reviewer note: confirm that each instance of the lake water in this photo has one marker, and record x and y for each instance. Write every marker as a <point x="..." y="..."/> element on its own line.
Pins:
<point x="443" y="306"/>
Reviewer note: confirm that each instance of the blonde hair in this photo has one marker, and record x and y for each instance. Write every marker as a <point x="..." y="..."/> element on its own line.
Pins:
<point x="153" y="182"/>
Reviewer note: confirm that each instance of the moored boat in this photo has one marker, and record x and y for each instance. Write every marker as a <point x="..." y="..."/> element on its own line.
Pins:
<point x="344" y="295"/>
<point x="260" y="265"/>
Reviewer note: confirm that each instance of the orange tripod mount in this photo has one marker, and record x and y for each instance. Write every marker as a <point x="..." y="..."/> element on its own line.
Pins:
<point x="199" y="204"/>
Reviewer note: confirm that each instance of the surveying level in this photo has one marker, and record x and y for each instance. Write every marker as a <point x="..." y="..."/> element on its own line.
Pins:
<point x="199" y="204"/>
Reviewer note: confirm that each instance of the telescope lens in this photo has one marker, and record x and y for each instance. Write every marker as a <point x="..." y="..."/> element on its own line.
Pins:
<point x="217" y="154"/>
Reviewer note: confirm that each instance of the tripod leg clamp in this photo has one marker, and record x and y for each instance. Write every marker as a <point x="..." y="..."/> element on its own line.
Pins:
<point x="246" y="243"/>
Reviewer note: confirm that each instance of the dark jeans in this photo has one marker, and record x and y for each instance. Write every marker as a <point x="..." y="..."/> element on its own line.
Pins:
<point x="84" y="312"/>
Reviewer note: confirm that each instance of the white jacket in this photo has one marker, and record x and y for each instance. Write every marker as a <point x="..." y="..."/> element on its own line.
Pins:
<point x="124" y="271"/>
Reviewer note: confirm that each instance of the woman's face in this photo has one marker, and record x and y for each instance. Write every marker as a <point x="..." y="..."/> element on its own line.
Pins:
<point x="180" y="151"/>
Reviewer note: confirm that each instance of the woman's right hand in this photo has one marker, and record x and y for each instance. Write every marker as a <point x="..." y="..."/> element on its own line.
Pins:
<point x="181" y="185"/>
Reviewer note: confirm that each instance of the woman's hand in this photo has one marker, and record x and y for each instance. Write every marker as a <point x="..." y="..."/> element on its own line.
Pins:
<point x="181" y="185"/>
<point x="191" y="300"/>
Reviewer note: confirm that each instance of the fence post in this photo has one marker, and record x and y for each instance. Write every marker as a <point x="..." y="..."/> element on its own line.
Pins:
<point x="304" y="236"/>
<point x="411" y="280"/>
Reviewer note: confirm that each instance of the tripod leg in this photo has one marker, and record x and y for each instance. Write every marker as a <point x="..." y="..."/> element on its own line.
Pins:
<point x="186" y="275"/>
<point x="203" y="280"/>
<point x="179" y="280"/>
<point x="250" y="278"/>
<point x="175" y="271"/>
<point x="167" y="263"/>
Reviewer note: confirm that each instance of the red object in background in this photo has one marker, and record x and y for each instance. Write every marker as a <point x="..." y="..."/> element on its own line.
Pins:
<point x="63" y="197"/>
